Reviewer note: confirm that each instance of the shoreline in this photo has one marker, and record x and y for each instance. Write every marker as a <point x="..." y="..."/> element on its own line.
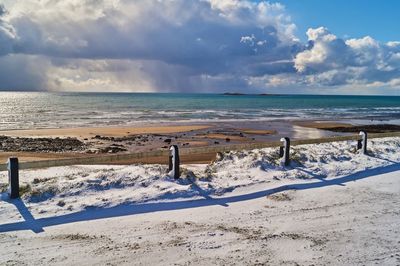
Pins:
<point x="43" y="144"/>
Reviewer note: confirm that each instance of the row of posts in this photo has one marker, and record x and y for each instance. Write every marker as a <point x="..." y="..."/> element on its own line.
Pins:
<point x="284" y="150"/>
<point x="173" y="162"/>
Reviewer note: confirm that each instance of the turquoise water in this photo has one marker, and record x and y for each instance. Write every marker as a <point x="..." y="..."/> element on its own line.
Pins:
<point x="25" y="110"/>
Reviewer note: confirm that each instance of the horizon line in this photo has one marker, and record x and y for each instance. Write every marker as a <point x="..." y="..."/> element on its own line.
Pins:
<point x="227" y="93"/>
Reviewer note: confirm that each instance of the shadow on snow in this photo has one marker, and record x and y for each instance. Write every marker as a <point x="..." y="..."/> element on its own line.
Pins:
<point x="37" y="225"/>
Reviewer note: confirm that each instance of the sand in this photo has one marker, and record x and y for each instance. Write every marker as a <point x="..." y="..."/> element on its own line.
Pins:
<point x="322" y="124"/>
<point x="205" y="157"/>
<point x="87" y="132"/>
<point x="185" y="136"/>
<point x="258" y="131"/>
<point x="37" y="156"/>
<point x="189" y="136"/>
<point x="221" y="136"/>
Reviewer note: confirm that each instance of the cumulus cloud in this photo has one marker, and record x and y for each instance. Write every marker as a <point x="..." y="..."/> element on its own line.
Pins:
<point x="332" y="61"/>
<point x="178" y="45"/>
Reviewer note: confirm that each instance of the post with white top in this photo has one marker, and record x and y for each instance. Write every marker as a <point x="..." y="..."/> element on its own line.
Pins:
<point x="13" y="177"/>
<point x="284" y="151"/>
<point x="174" y="162"/>
<point x="362" y="143"/>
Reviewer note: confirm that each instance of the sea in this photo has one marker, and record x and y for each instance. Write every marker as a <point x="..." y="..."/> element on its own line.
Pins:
<point x="33" y="110"/>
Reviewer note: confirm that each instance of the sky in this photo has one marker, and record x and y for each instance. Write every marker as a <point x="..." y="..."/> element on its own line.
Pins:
<point x="287" y="46"/>
<point x="347" y="18"/>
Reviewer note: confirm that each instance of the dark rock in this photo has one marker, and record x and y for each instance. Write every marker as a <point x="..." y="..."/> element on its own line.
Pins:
<point x="41" y="144"/>
<point x="380" y="128"/>
<point x="112" y="149"/>
<point x="117" y="139"/>
<point x="117" y="145"/>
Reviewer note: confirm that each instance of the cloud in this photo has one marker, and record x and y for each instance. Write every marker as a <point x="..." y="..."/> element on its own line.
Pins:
<point x="178" y="45"/>
<point x="7" y="33"/>
<point x="175" y="44"/>
<point x="332" y="61"/>
<point x="23" y="72"/>
<point x="171" y="31"/>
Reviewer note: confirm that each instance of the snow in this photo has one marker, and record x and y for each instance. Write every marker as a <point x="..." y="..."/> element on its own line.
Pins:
<point x="63" y="190"/>
<point x="213" y="205"/>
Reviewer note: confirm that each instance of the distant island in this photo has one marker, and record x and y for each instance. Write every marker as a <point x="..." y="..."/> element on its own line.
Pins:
<point x="233" y="93"/>
<point x="241" y="94"/>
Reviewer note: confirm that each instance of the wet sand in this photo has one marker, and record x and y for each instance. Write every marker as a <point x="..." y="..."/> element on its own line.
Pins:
<point x="350" y="128"/>
<point x="258" y="131"/>
<point x="322" y="124"/>
<point x="226" y="137"/>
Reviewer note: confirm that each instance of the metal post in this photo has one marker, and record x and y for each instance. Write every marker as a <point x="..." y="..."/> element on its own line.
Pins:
<point x="362" y="143"/>
<point x="13" y="177"/>
<point x="174" y="162"/>
<point x="284" y="151"/>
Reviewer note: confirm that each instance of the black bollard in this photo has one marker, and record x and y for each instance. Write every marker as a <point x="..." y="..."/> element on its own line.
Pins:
<point x="174" y="162"/>
<point x="13" y="178"/>
<point x="284" y="151"/>
<point x="170" y="160"/>
<point x="362" y="143"/>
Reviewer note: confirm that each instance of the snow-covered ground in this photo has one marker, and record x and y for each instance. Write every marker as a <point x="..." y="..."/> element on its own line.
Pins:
<point x="244" y="208"/>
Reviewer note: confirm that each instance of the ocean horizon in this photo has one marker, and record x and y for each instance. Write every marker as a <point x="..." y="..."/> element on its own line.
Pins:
<point x="31" y="110"/>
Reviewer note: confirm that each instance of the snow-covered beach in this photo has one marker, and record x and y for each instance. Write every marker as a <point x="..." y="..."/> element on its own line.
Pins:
<point x="201" y="132"/>
<point x="332" y="205"/>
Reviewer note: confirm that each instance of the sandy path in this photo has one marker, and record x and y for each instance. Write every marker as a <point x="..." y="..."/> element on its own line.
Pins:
<point x="355" y="223"/>
<point x="205" y="157"/>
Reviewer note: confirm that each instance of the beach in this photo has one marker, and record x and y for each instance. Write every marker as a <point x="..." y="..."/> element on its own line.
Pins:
<point x="45" y="144"/>
<point x="38" y="126"/>
<point x="235" y="203"/>
<point x="201" y="132"/>
<point x="42" y="144"/>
